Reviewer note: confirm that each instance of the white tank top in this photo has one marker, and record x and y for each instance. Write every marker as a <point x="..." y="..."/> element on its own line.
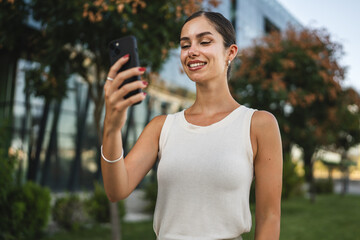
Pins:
<point x="204" y="177"/>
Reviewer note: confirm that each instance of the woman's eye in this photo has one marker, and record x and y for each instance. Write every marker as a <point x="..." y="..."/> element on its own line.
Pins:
<point x="205" y="42"/>
<point x="185" y="46"/>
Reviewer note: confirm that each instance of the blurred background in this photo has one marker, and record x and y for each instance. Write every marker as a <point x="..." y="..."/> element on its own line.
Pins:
<point x="297" y="59"/>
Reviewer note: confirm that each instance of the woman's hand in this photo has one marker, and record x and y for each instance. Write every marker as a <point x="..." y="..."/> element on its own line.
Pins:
<point x="116" y="105"/>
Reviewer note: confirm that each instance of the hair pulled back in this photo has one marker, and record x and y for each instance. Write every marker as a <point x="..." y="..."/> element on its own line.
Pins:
<point x="222" y="25"/>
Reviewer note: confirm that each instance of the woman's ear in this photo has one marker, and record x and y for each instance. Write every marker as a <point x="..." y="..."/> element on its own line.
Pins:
<point x="232" y="52"/>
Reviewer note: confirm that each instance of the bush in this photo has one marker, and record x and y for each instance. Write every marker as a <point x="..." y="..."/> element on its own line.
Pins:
<point x="324" y="186"/>
<point x="98" y="207"/>
<point x="6" y="175"/>
<point x="292" y="182"/>
<point x="69" y="212"/>
<point x="24" y="209"/>
<point x="26" y="212"/>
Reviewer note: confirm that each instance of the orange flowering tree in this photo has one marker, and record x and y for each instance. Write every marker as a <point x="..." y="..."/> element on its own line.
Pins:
<point x="72" y="36"/>
<point x="348" y="124"/>
<point x="83" y="28"/>
<point x="296" y="76"/>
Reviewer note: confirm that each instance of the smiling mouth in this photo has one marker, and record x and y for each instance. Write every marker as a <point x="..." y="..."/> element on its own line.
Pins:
<point x="196" y="65"/>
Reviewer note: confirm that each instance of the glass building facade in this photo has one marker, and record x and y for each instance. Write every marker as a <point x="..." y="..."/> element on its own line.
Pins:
<point x="69" y="153"/>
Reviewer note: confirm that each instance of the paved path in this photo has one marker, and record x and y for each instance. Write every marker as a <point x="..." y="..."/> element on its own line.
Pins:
<point x="354" y="187"/>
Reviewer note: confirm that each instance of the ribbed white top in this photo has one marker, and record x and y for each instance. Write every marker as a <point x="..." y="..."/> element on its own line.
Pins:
<point x="204" y="178"/>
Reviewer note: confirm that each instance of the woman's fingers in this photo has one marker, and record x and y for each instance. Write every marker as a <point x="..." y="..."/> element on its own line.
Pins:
<point x="118" y="95"/>
<point x="114" y="85"/>
<point x="130" y="101"/>
<point x="122" y="76"/>
<point x="117" y="65"/>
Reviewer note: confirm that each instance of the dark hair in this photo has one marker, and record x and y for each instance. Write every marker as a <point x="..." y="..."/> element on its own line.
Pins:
<point x="221" y="25"/>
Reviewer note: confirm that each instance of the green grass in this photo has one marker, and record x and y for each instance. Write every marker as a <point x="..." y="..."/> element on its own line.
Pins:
<point x="330" y="217"/>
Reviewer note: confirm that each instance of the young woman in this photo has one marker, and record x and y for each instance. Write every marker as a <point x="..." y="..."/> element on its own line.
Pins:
<point x="209" y="153"/>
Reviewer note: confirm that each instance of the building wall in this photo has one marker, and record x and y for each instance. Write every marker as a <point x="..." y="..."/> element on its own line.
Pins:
<point x="250" y="19"/>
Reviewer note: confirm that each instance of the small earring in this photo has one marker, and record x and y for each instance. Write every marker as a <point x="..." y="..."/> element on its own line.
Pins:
<point x="229" y="63"/>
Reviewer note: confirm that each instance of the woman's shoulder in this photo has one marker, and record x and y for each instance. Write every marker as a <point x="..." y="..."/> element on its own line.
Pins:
<point x="158" y="121"/>
<point x="263" y="121"/>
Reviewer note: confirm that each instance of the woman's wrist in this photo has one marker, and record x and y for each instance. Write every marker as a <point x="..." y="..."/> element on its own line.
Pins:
<point x="113" y="160"/>
<point x="110" y="132"/>
<point x="111" y="129"/>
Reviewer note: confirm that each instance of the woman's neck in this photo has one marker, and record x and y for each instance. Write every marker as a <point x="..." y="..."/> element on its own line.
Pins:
<point x="213" y="97"/>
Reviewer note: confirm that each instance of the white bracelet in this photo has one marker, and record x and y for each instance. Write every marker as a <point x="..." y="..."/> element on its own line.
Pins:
<point x="111" y="161"/>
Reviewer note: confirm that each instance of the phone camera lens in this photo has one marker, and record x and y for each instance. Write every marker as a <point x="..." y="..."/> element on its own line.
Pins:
<point x="117" y="51"/>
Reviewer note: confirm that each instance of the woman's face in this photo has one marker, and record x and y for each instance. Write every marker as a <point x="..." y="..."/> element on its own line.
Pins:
<point x="203" y="55"/>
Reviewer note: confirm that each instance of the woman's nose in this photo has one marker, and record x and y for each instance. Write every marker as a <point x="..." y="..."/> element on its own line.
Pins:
<point x="193" y="51"/>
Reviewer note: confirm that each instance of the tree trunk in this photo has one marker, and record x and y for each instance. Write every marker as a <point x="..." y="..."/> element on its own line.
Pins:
<point x="51" y="146"/>
<point x="82" y="109"/>
<point x="345" y="182"/>
<point x="129" y="126"/>
<point x="309" y="177"/>
<point x="24" y="130"/>
<point x="330" y="170"/>
<point x="35" y="162"/>
<point x="99" y="104"/>
<point x="115" y="223"/>
<point x="345" y="172"/>
<point x="8" y="66"/>
<point x="57" y="166"/>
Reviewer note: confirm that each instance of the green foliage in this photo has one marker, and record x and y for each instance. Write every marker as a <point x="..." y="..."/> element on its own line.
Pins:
<point x="12" y="20"/>
<point x="91" y="26"/>
<point x="69" y="212"/>
<point x="98" y="207"/>
<point x="41" y="82"/>
<point x="296" y="75"/>
<point x="292" y="182"/>
<point x="6" y="175"/>
<point x="324" y="186"/>
<point x="72" y="213"/>
<point x="24" y="209"/>
<point x="26" y="212"/>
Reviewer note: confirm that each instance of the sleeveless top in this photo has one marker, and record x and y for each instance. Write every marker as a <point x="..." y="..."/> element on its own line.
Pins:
<point x="204" y="177"/>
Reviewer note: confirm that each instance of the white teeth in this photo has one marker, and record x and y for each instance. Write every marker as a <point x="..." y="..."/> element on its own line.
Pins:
<point x="196" y="64"/>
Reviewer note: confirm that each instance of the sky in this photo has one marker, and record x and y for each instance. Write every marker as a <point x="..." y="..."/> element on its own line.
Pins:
<point x="341" y="19"/>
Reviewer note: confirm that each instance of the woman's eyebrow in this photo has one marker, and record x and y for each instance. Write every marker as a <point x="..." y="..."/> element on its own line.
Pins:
<point x="199" y="35"/>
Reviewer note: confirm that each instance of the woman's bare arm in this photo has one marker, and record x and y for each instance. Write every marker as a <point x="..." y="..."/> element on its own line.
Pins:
<point x="120" y="178"/>
<point x="268" y="175"/>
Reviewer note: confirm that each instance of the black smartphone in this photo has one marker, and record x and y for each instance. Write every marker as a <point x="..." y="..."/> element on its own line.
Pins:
<point x="119" y="48"/>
